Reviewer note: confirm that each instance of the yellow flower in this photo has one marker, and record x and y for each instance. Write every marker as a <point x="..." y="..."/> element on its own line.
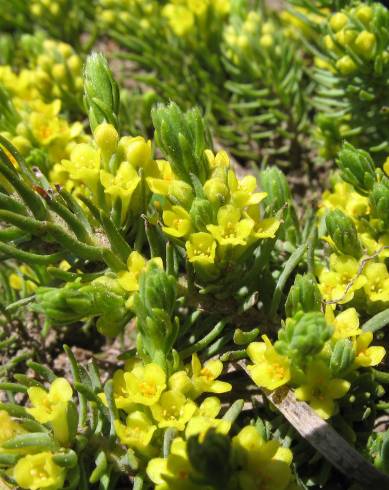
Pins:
<point x="173" y="471"/>
<point x="200" y="424"/>
<point x="346" y="323"/>
<point x="173" y="410"/>
<point x="366" y="356"/>
<point x="137" y="432"/>
<point x="47" y="405"/>
<point x="136" y="264"/>
<point x="121" y="185"/>
<point x="264" y="464"/>
<point x="160" y="183"/>
<point x="129" y="280"/>
<point x="204" y="377"/>
<point x="209" y="407"/>
<point x="180" y="18"/>
<point x="201" y="248"/>
<point x="137" y="151"/>
<point x="120" y="393"/>
<point x="144" y="384"/>
<point x="84" y="165"/>
<point x="320" y="390"/>
<point x="345" y="199"/>
<point x="263" y="228"/>
<point x="334" y="282"/>
<point x="221" y="159"/>
<point x="180" y="381"/>
<point x="15" y="281"/>
<point x="377" y="282"/>
<point x="177" y="221"/>
<point x="242" y="192"/>
<point x="52" y="406"/>
<point x="270" y="369"/>
<point x="9" y="428"/>
<point x="46" y="128"/>
<point x="205" y="418"/>
<point x="231" y="229"/>
<point x="38" y="471"/>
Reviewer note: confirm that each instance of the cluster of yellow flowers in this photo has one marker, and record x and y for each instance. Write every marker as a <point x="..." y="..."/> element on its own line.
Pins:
<point x="262" y="464"/>
<point x="147" y="403"/>
<point x="36" y="120"/>
<point x="151" y="402"/>
<point x="351" y="40"/>
<point x="315" y="382"/>
<point x="36" y="470"/>
<point x="231" y="224"/>
<point x="248" y="36"/>
<point x="23" y="279"/>
<point x="184" y="14"/>
<point x="114" y="13"/>
<point x="47" y="8"/>
<point x="357" y="276"/>
<point x="302" y="22"/>
<point x="119" y="173"/>
<point x="110" y="170"/>
<point x="58" y="70"/>
<point x="365" y="280"/>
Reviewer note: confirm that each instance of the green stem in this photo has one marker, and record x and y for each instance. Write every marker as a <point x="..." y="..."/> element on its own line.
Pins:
<point x="77" y="378"/>
<point x="31" y="199"/>
<point x="377" y="322"/>
<point x="29" y="257"/>
<point x="205" y="341"/>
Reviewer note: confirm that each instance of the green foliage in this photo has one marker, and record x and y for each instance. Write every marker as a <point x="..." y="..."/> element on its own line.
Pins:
<point x="303" y="335"/>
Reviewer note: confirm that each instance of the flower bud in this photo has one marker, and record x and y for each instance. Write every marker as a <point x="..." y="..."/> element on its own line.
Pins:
<point x="344" y="234"/>
<point x="379" y="200"/>
<point x="216" y="191"/>
<point x="158" y="290"/>
<point x="342" y="357"/>
<point x="75" y="302"/>
<point x="303" y="296"/>
<point x="357" y="168"/>
<point x="338" y="21"/>
<point x="181" y="193"/>
<point x="365" y="14"/>
<point x="106" y="138"/>
<point x="274" y="183"/>
<point x="22" y="144"/>
<point x="183" y="139"/>
<point x="154" y="306"/>
<point x="58" y="72"/>
<point x="381" y="452"/>
<point x="101" y="92"/>
<point x="304" y="335"/>
<point x="346" y="65"/>
<point x="45" y="62"/>
<point x="266" y="41"/>
<point x="365" y="44"/>
<point x="202" y="214"/>
<point x="329" y="43"/>
<point x="74" y="64"/>
<point x="138" y="152"/>
<point x="346" y="37"/>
